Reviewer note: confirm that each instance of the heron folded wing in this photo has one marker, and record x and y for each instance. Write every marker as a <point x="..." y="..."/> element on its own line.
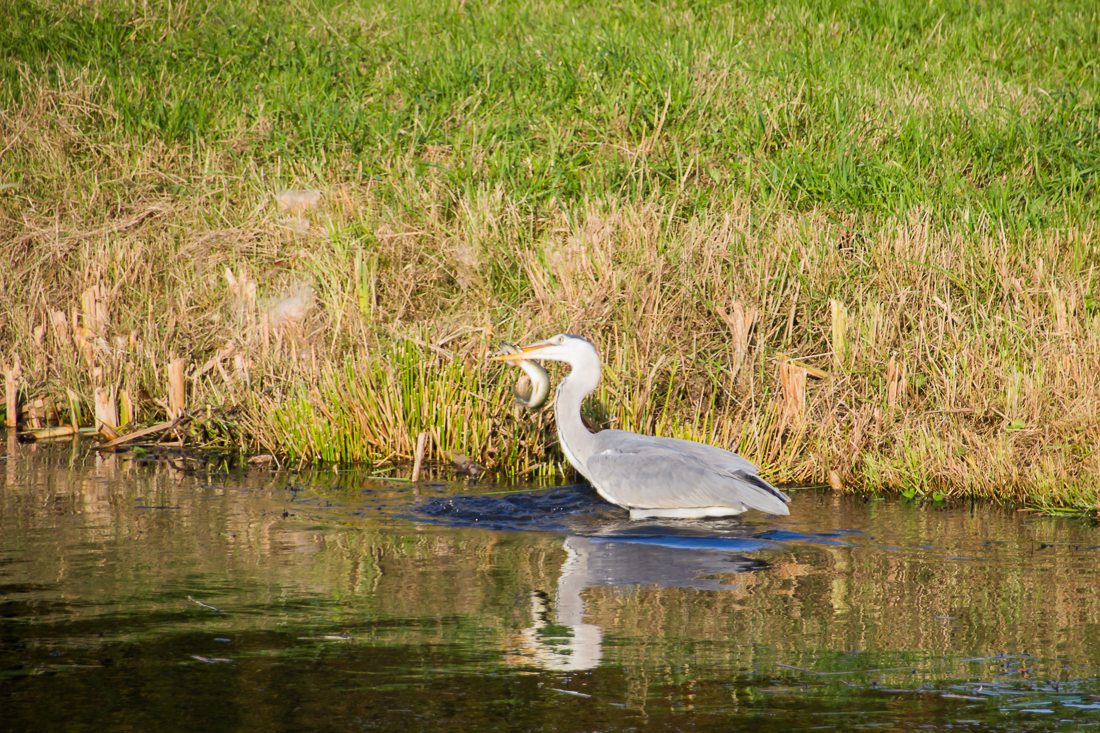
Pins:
<point x="658" y="473"/>
<point x="709" y="454"/>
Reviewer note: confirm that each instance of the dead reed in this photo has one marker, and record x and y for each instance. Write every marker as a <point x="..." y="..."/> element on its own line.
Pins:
<point x="901" y="363"/>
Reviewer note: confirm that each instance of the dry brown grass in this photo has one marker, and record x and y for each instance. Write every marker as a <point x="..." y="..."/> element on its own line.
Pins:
<point x="960" y="367"/>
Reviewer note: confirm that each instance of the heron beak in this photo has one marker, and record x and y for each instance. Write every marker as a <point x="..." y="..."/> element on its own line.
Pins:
<point x="523" y="352"/>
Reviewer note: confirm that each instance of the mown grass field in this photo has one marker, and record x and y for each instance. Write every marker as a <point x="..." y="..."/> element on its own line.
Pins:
<point x="854" y="241"/>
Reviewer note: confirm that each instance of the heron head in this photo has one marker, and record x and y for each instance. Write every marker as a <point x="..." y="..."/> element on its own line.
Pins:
<point x="563" y="347"/>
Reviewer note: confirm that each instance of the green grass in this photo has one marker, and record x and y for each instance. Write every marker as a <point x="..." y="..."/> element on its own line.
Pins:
<point x="627" y="171"/>
<point x="983" y="113"/>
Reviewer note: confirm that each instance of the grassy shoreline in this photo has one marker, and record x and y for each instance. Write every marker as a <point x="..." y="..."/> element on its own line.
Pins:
<point x="856" y="244"/>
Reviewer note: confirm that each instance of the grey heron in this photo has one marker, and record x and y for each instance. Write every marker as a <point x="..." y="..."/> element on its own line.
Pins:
<point x="651" y="476"/>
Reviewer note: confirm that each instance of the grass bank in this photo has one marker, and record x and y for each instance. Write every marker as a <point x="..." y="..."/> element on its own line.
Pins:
<point x="854" y="242"/>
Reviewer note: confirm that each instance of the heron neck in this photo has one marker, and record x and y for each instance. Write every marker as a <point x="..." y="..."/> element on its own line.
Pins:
<point x="576" y="441"/>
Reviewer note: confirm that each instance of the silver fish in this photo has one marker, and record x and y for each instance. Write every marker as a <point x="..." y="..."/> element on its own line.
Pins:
<point x="532" y="390"/>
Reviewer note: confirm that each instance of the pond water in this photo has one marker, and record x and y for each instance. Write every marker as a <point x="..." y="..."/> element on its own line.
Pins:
<point x="159" y="595"/>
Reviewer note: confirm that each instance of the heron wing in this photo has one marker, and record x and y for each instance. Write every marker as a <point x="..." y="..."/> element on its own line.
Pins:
<point x="647" y="472"/>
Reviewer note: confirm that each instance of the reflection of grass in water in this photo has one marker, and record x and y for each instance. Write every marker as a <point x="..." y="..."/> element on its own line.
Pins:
<point x="443" y="604"/>
<point x="900" y="196"/>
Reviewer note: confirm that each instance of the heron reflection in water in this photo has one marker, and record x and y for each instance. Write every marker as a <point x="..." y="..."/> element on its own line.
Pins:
<point x="650" y="476"/>
<point x="641" y="558"/>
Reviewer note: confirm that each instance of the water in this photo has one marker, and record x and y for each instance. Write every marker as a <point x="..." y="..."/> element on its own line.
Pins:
<point x="158" y="595"/>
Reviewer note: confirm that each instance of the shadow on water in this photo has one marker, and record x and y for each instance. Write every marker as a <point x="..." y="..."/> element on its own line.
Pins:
<point x="142" y="596"/>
